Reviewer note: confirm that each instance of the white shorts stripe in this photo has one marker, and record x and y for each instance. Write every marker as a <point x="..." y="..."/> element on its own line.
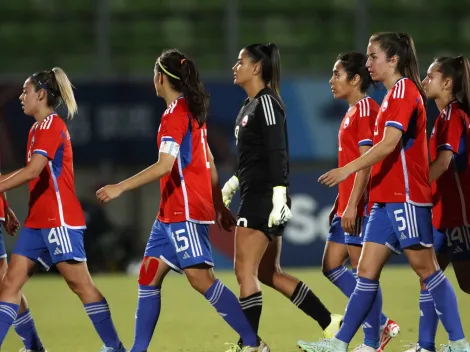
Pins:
<point x="60" y="237"/>
<point x="191" y="243"/>
<point x="198" y="240"/>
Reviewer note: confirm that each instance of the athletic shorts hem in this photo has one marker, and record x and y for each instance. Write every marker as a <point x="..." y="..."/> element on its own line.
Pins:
<point x="171" y="265"/>
<point x="388" y="245"/>
<point x="3" y="256"/>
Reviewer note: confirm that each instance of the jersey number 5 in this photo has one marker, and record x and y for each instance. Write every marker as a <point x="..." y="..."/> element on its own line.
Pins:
<point x="205" y="146"/>
<point x="400" y="219"/>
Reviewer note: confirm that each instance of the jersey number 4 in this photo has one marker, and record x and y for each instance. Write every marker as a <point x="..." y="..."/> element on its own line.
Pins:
<point x="205" y="146"/>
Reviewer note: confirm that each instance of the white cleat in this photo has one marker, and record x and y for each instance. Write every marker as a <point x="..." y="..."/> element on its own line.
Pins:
<point x="418" y="348"/>
<point x="25" y="350"/>
<point x="364" y="348"/>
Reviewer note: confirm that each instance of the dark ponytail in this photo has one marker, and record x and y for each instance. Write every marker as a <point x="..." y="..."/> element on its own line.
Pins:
<point x="355" y="64"/>
<point x="457" y="69"/>
<point x="270" y="59"/>
<point x="401" y="45"/>
<point x="183" y="77"/>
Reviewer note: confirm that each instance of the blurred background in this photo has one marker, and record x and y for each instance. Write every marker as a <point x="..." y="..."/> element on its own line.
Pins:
<point x="109" y="48"/>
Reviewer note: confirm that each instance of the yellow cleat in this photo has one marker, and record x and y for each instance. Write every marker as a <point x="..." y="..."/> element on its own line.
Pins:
<point x="333" y="328"/>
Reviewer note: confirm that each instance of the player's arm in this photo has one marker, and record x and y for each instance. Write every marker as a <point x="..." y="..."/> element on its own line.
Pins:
<point x="360" y="182"/>
<point x="272" y="120"/>
<point x="274" y="135"/>
<point x="440" y="164"/>
<point x="151" y="174"/>
<point x="26" y="174"/>
<point x="448" y="132"/>
<point x="397" y="119"/>
<point x="216" y="191"/>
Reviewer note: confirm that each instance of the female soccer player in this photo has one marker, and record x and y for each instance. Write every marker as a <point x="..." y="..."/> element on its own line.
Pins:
<point x="400" y="191"/>
<point x="190" y="192"/>
<point x="24" y="323"/>
<point x="262" y="176"/>
<point x="350" y="81"/>
<point x="448" y="83"/>
<point x="53" y="231"/>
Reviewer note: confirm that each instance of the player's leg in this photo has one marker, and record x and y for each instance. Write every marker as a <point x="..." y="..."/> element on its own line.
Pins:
<point x="66" y="248"/>
<point x="334" y="257"/>
<point x="194" y="253"/>
<point x="29" y="249"/>
<point x="159" y="259"/>
<point x="271" y="274"/>
<point x="24" y="323"/>
<point x="413" y="224"/>
<point x="250" y="246"/>
<point x="384" y="328"/>
<point x="428" y="319"/>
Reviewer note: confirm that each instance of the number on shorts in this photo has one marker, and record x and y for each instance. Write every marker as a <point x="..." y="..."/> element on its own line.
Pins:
<point x="242" y="222"/>
<point x="180" y="240"/>
<point x="400" y="219"/>
<point x="454" y="235"/>
<point x="52" y="237"/>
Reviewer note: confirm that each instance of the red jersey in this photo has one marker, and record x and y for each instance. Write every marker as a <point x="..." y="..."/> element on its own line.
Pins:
<point x="356" y="130"/>
<point x="403" y="176"/>
<point x="186" y="192"/>
<point x="52" y="199"/>
<point x="451" y="191"/>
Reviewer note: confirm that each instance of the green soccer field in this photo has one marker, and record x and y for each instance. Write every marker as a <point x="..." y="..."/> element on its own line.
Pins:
<point x="189" y="323"/>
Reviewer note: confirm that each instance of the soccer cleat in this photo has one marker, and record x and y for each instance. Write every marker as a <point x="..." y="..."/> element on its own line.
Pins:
<point x="418" y="348"/>
<point x="235" y="347"/>
<point x="389" y="331"/>
<point x="364" y="348"/>
<point x="25" y="350"/>
<point x="323" y="345"/>
<point x="458" y="346"/>
<point x="110" y="349"/>
<point x="332" y="329"/>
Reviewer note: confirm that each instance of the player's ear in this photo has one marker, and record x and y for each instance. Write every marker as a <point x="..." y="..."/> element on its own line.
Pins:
<point x="447" y="84"/>
<point x="393" y="61"/>
<point x="42" y="94"/>
<point x="257" y="69"/>
<point x="356" y="81"/>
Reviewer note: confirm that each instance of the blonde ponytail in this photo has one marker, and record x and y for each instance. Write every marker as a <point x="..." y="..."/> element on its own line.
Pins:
<point x="66" y="91"/>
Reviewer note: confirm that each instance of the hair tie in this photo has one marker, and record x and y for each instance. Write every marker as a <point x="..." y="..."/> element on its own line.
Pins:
<point x="182" y="60"/>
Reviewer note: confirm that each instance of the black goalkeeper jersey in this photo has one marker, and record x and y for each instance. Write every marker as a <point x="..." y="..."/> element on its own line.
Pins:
<point x="262" y="145"/>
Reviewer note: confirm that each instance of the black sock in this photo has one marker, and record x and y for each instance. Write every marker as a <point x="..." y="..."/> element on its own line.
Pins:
<point x="311" y="305"/>
<point x="252" y="306"/>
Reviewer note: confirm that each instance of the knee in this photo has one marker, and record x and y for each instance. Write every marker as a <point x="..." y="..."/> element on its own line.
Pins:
<point x="368" y="272"/>
<point x="245" y="272"/>
<point x="267" y="276"/>
<point x="201" y="280"/>
<point x="424" y="271"/>
<point x="84" y="290"/>
<point x="10" y="284"/>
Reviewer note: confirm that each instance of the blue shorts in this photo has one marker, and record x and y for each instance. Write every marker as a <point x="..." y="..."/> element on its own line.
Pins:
<point x="399" y="226"/>
<point x="453" y="241"/>
<point x="3" y="252"/>
<point x="51" y="246"/>
<point x="180" y="244"/>
<point x="338" y="235"/>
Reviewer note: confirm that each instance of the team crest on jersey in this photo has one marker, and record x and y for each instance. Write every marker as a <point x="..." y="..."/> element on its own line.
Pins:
<point x="346" y="122"/>
<point x="245" y="120"/>
<point x="385" y="105"/>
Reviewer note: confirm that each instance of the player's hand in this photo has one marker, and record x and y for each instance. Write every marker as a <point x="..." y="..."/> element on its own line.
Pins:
<point x="281" y="212"/>
<point x="333" y="177"/>
<point x="229" y="189"/>
<point x="224" y="218"/>
<point x="348" y="220"/>
<point x="108" y="193"/>
<point x="11" y="223"/>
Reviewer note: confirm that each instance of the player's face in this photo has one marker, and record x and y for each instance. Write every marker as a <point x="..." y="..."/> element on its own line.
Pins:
<point x="341" y="87"/>
<point x="434" y="83"/>
<point x="377" y="63"/>
<point x="243" y="69"/>
<point x="29" y="98"/>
